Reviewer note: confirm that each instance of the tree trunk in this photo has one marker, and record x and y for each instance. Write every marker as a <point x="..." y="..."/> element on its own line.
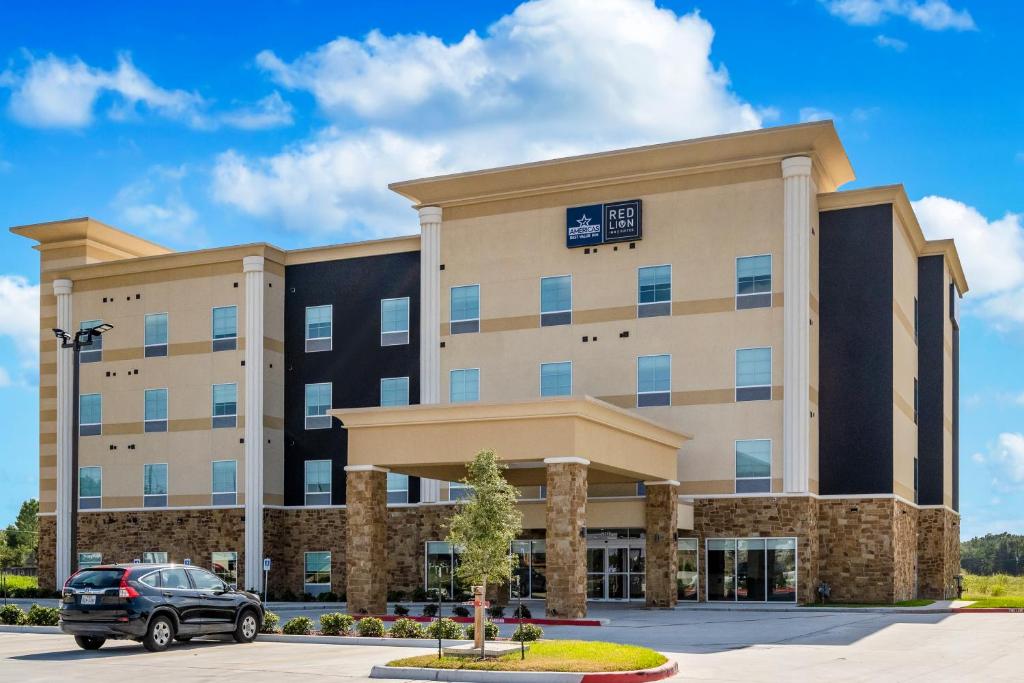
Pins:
<point x="478" y="616"/>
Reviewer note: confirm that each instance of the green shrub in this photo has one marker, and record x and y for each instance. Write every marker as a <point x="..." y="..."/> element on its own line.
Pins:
<point x="370" y="627"/>
<point x="298" y="626"/>
<point x="407" y="628"/>
<point x="11" y="615"/>
<point x="401" y="610"/>
<point x="522" y="612"/>
<point x="328" y="596"/>
<point x="528" y="632"/>
<point x="490" y="631"/>
<point x="445" y="628"/>
<point x="336" y="624"/>
<point x="496" y="611"/>
<point x="42" y="616"/>
<point x="270" y="622"/>
<point x="430" y="610"/>
<point x="396" y="596"/>
<point x="460" y="611"/>
<point x="419" y="594"/>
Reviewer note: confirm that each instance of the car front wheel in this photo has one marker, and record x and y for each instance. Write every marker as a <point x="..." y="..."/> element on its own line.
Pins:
<point x="90" y="642"/>
<point x="248" y="627"/>
<point x="159" y="635"/>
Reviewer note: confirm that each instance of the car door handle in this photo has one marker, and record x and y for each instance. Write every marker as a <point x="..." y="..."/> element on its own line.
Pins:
<point x="168" y="594"/>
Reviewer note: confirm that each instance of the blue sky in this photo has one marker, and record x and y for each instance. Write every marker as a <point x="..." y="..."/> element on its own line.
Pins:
<point x="200" y="124"/>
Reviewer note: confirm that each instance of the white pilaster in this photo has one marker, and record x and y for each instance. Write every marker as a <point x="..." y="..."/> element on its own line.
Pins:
<point x="254" y="283"/>
<point x="430" y="322"/>
<point x="65" y="407"/>
<point x="796" y="174"/>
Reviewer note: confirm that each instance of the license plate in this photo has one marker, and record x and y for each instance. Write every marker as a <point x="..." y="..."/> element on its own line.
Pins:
<point x="88" y="599"/>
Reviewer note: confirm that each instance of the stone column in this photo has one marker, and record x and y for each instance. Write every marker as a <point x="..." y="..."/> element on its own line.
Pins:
<point x="430" y="323"/>
<point x="796" y="174"/>
<point x="64" y="563"/>
<point x="254" y="283"/>
<point x="366" y="543"/>
<point x="661" y="514"/>
<point x="566" y="537"/>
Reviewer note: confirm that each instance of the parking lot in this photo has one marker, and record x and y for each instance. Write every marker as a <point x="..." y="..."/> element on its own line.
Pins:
<point x="709" y="645"/>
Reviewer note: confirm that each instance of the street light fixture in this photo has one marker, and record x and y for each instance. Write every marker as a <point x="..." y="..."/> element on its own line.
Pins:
<point x="80" y="338"/>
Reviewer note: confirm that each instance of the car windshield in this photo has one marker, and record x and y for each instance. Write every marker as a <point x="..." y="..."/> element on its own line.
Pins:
<point x="96" y="578"/>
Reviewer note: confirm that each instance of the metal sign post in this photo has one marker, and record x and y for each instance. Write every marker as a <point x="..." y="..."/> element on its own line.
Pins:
<point x="266" y="577"/>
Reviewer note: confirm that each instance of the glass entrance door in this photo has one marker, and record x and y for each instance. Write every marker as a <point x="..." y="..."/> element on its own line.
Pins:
<point x="751" y="569"/>
<point x="616" y="571"/>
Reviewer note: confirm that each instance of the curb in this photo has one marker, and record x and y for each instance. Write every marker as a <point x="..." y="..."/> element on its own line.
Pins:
<point x="670" y="668"/>
<point x="825" y="610"/>
<point x="10" y="628"/>
<point x="989" y="610"/>
<point x="425" y="643"/>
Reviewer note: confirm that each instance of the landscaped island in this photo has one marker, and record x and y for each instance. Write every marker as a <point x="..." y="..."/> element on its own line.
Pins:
<point x="551" y="655"/>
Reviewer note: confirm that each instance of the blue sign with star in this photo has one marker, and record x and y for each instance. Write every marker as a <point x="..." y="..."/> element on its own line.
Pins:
<point x="589" y="226"/>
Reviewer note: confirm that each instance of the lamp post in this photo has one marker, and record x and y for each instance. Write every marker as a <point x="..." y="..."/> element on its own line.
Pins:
<point x="77" y="341"/>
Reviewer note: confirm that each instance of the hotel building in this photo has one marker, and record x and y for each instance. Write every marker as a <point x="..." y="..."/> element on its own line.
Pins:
<point x="713" y="376"/>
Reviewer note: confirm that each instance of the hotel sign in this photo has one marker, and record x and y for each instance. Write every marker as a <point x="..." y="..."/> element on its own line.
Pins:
<point x="587" y="226"/>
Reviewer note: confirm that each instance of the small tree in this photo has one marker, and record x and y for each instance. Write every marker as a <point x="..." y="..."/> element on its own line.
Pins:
<point x="484" y="527"/>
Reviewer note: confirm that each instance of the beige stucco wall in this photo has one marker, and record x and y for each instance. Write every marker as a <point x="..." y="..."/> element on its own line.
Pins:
<point x="904" y="361"/>
<point x="700" y="232"/>
<point x="190" y="445"/>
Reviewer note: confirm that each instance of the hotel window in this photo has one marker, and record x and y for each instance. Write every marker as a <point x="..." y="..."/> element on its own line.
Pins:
<point x="394" y="321"/>
<point x="440" y="560"/>
<point x="93" y="353"/>
<point x="555" y="300"/>
<point x="90" y="487"/>
<point x="225" y="565"/>
<point x="754" y="281"/>
<point x="686" y="568"/>
<point x="653" y="381"/>
<point x="398" y="488"/>
<point x="225" y="405"/>
<point x="754" y="466"/>
<point x="154" y="486"/>
<point x="917" y="400"/>
<point x="318" y="402"/>
<point x="319" y="325"/>
<point x="225" y="328"/>
<point x="318" y="482"/>
<point x="225" y="482"/>
<point x="394" y="391"/>
<point x="465" y="314"/>
<point x="156" y="410"/>
<point x="458" y="490"/>
<point x="156" y="335"/>
<point x="90" y="414"/>
<point x="155" y="557"/>
<point x="86" y="560"/>
<point x="464" y="385"/>
<point x="654" y="291"/>
<point x="754" y="374"/>
<point x="556" y="379"/>
<point x="318" y="573"/>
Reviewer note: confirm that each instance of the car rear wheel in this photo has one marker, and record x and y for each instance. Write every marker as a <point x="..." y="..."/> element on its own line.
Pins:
<point x="159" y="635"/>
<point x="90" y="642"/>
<point x="248" y="626"/>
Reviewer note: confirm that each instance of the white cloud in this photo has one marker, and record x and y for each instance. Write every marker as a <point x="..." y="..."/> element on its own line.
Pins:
<point x="554" y="77"/>
<point x="155" y="205"/>
<point x="934" y="15"/>
<point x="814" y="114"/>
<point x="19" y="320"/>
<point x="992" y="253"/>
<point x="890" y="42"/>
<point x="57" y="93"/>
<point x="1005" y="460"/>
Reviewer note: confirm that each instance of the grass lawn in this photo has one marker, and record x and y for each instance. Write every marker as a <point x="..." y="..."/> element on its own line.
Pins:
<point x="998" y="590"/>
<point x="552" y="655"/>
<point x="20" y="581"/>
<point x="902" y="603"/>
<point x="1008" y="601"/>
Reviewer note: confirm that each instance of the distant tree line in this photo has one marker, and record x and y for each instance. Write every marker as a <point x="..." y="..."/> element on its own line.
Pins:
<point x="19" y="541"/>
<point x="993" y="554"/>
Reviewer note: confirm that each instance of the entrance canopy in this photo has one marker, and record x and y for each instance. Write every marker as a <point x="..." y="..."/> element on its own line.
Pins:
<point x="437" y="441"/>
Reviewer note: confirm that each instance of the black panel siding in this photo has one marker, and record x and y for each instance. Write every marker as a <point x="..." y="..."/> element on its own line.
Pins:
<point x="956" y="418"/>
<point x="357" y="361"/>
<point x="931" y="297"/>
<point x="856" y="349"/>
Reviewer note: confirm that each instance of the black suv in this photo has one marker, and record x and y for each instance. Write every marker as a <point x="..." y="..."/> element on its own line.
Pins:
<point x="154" y="603"/>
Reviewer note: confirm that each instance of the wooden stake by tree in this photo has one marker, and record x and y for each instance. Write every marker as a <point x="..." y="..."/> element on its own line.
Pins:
<point x="483" y="529"/>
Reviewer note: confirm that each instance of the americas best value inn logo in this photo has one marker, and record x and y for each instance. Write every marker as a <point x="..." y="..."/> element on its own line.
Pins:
<point x="586" y="226"/>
